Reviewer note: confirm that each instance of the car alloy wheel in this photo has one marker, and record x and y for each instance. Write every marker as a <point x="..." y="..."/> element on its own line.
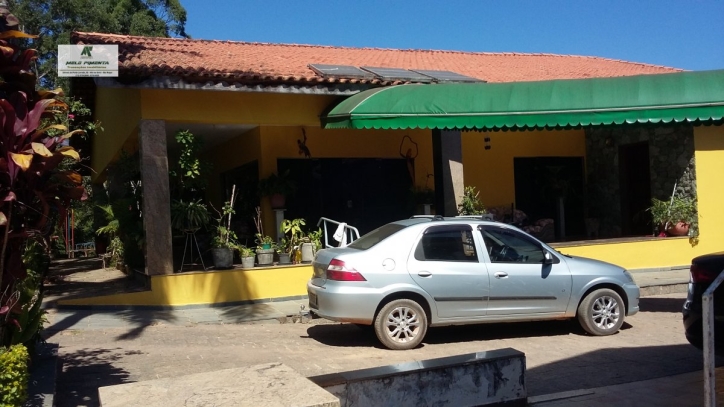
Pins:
<point x="605" y="312"/>
<point x="601" y="312"/>
<point x="401" y="324"/>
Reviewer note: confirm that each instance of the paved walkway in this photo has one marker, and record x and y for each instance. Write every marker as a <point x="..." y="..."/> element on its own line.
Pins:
<point x="651" y="283"/>
<point x="140" y="327"/>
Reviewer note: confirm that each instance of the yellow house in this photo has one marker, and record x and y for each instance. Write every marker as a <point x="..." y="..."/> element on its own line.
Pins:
<point x="542" y="137"/>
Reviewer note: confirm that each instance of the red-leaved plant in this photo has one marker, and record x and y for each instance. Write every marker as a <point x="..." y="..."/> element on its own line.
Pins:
<point x="34" y="192"/>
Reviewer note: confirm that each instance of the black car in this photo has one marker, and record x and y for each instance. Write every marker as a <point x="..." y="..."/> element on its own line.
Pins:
<point x="704" y="269"/>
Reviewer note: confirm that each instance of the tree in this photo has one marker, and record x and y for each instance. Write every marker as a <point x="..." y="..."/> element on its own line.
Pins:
<point x="55" y="20"/>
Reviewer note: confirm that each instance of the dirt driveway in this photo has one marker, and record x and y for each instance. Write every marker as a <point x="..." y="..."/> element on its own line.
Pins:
<point x="559" y="355"/>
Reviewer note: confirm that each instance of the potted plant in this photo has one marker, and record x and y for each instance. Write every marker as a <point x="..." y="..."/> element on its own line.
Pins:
<point x="315" y="237"/>
<point x="293" y="234"/>
<point x="675" y="217"/>
<point x="277" y="187"/>
<point x="265" y="246"/>
<point x="285" y="250"/>
<point x="247" y="256"/>
<point x="224" y="241"/>
<point x="190" y="216"/>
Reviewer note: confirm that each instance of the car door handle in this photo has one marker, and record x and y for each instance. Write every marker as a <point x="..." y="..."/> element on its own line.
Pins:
<point x="424" y="274"/>
<point x="501" y="274"/>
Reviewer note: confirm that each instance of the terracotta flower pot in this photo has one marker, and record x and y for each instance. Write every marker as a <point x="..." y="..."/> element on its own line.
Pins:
<point x="678" y="229"/>
<point x="277" y="201"/>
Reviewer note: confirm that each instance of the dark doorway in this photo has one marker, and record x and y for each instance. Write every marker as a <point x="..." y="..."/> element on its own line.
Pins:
<point x="542" y="184"/>
<point x="364" y="192"/>
<point x="635" y="184"/>
<point x="246" y="179"/>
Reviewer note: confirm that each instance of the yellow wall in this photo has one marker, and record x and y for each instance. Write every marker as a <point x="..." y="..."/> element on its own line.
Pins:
<point x="118" y="111"/>
<point x="212" y="288"/>
<point x="256" y="108"/>
<point x="491" y="171"/>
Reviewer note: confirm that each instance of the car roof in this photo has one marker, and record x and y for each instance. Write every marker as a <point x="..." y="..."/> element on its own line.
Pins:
<point x="418" y="219"/>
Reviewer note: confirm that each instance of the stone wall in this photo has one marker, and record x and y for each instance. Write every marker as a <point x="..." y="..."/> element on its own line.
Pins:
<point x="671" y="156"/>
<point x="489" y="378"/>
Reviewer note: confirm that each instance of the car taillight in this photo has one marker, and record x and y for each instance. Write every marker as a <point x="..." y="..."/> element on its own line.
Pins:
<point x="339" y="271"/>
<point x="701" y="274"/>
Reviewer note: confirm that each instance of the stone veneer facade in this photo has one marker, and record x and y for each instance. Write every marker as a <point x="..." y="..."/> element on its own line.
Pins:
<point x="671" y="156"/>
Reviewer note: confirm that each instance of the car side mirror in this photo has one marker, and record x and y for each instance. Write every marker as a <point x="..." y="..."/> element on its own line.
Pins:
<point x="547" y="257"/>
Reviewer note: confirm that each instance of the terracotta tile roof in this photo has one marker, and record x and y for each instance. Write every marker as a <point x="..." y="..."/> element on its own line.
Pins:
<point x="262" y="62"/>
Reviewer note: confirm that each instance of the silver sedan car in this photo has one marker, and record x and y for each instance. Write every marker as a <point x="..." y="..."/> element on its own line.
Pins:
<point x="412" y="274"/>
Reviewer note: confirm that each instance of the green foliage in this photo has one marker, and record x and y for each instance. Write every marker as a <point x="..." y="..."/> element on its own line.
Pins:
<point x="245" y="251"/>
<point x="123" y="192"/>
<point x="471" y="204"/>
<point x="189" y="216"/>
<point x="190" y="173"/>
<point x="54" y="20"/>
<point x="678" y="209"/>
<point x="315" y="237"/>
<point x="262" y="240"/>
<point x="277" y="184"/>
<point x="14" y="375"/>
<point x="293" y="233"/>
<point x="225" y="237"/>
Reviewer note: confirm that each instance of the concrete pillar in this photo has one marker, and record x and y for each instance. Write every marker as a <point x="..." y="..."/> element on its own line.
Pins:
<point x="447" y="156"/>
<point x="156" y="197"/>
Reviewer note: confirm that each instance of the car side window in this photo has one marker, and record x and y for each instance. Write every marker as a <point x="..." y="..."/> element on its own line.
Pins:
<point x="447" y="243"/>
<point x="509" y="246"/>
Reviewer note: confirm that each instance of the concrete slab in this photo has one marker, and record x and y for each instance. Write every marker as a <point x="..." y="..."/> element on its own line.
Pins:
<point x="266" y="385"/>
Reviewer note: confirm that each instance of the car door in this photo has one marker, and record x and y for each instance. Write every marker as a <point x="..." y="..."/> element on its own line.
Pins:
<point x="520" y="280"/>
<point x="445" y="263"/>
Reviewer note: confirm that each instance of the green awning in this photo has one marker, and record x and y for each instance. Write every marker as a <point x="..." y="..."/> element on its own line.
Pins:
<point x="664" y="98"/>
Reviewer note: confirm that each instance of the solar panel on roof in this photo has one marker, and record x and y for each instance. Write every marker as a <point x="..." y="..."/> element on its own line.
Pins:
<point x="447" y="76"/>
<point x="340" y="71"/>
<point x="397" y="74"/>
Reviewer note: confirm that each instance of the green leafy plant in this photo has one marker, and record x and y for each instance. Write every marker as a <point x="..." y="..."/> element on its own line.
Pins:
<point x="293" y="232"/>
<point x="261" y="239"/>
<point x="245" y="251"/>
<point x="189" y="216"/>
<point x="277" y="184"/>
<point x="224" y="236"/>
<point x="315" y="237"/>
<point x="190" y="173"/>
<point x="677" y="209"/>
<point x="285" y="246"/>
<point x="471" y="204"/>
<point x="38" y="183"/>
<point x="14" y="375"/>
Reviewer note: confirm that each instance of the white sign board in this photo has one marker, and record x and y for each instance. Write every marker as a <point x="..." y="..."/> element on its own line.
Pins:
<point x="87" y="60"/>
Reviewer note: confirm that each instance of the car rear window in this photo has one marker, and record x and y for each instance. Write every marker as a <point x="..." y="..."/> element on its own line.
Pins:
<point x="376" y="236"/>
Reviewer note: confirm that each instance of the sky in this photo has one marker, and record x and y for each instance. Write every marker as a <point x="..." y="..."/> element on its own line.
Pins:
<point x="686" y="34"/>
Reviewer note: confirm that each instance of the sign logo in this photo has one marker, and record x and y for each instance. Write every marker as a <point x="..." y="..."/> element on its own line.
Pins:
<point x="86" y="51"/>
<point x="85" y="60"/>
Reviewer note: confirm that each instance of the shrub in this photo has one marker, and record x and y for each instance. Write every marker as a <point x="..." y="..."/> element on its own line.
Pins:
<point x="471" y="204"/>
<point x="13" y="376"/>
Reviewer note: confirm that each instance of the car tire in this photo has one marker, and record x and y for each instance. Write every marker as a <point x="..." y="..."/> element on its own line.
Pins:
<point x="602" y="312"/>
<point x="401" y="324"/>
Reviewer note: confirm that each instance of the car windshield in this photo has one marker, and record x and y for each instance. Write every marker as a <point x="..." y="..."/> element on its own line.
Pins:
<point x="376" y="236"/>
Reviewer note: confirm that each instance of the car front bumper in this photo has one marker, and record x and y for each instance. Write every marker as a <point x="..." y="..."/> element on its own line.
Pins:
<point x="633" y="293"/>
